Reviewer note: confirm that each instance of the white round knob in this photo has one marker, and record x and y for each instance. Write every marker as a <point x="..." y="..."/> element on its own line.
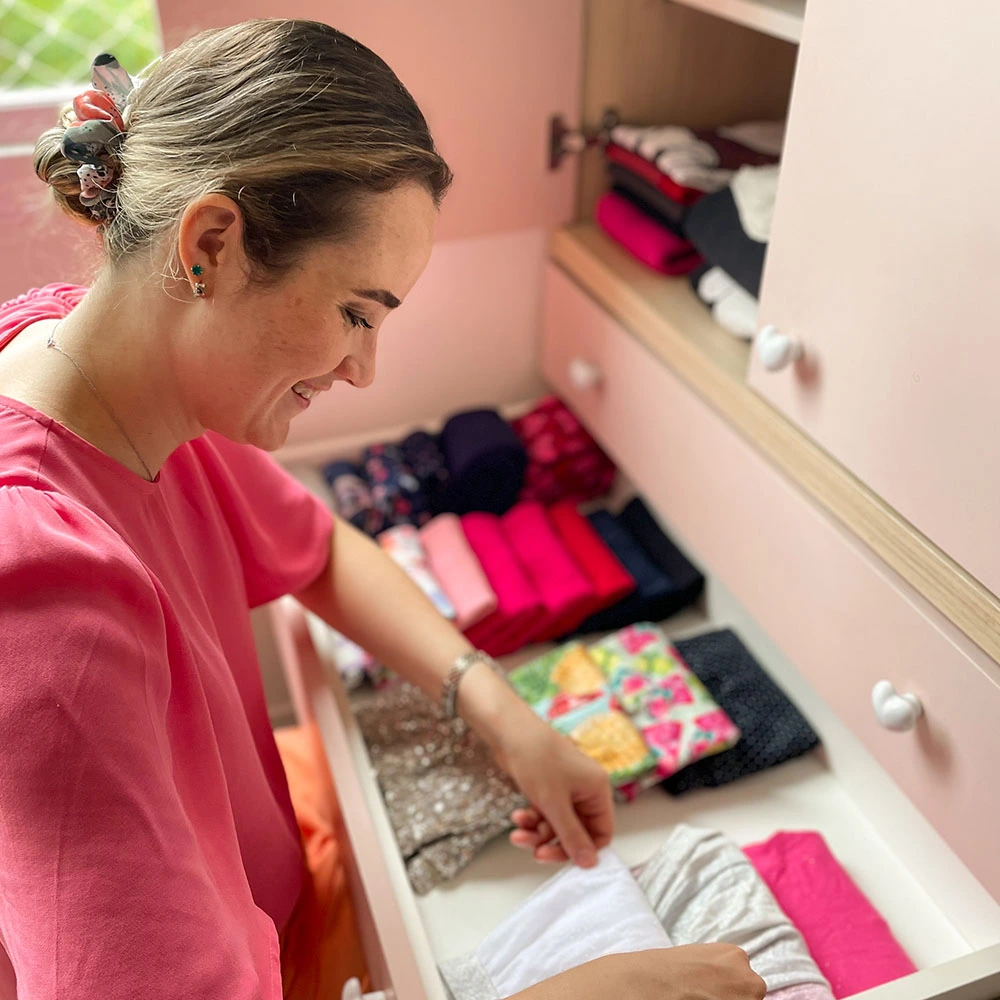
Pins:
<point x="583" y="375"/>
<point x="775" y="350"/>
<point x="898" y="712"/>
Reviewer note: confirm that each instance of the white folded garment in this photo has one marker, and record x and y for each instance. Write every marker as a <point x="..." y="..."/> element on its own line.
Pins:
<point x="762" y="137"/>
<point x="754" y="191"/>
<point x="737" y="313"/>
<point x="579" y="915"/>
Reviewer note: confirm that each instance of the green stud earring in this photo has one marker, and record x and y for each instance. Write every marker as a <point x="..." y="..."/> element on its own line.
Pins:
<point x="197" y="270"/>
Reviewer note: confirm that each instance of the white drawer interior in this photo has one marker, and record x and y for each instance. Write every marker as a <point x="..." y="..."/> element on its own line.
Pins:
<point x="936" y="908"/>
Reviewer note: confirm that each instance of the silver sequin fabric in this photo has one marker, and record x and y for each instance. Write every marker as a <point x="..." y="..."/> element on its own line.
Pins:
<point x="445" y="795"/>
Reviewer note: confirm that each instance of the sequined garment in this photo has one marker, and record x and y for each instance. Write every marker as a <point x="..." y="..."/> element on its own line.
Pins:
<point x="445" y="795"/>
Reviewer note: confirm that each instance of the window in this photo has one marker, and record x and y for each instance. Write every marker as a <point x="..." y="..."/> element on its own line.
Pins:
<point x="51" y="43"/>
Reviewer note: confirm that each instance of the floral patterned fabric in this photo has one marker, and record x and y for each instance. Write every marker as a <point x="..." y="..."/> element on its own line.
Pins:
<point x="672" y="709"/>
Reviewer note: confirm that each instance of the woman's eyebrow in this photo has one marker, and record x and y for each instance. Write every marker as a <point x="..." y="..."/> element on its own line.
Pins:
<point x="379" y="295"/>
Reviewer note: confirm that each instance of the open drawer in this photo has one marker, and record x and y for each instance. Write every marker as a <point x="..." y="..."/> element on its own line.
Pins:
<point x="955" y="940"/>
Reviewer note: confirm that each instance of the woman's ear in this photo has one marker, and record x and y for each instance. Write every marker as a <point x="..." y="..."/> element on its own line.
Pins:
<point x="210" y="241"/>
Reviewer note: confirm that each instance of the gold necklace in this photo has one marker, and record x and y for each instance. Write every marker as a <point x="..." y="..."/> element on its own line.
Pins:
<point x="107" y="406"/>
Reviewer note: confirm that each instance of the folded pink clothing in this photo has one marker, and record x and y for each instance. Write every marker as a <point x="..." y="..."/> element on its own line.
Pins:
<point x="458" y="570"/>
<point x="848" y="938"/>
<point x="645" y="238"/>
<point x="519" y="607"/>
<point x="566" y="592"/>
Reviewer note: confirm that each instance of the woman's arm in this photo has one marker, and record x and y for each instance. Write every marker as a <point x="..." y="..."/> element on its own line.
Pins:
<point x="365" y="595"/>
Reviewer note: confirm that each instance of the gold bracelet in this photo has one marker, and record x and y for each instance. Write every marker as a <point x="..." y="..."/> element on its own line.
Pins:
<point x="449" y="692"/>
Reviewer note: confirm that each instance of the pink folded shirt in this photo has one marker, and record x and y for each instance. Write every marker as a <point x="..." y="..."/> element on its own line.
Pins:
<point x="848" y="938"/>
<point x="644" y="237"/>
<point x="519" y="607"/>
<point x="566" y="593"/>
<point x="458" y="570"/>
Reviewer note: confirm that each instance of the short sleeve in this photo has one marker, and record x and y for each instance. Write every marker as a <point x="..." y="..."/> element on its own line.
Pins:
<point x="281" y="530"/>
<point x="120" y="874"/>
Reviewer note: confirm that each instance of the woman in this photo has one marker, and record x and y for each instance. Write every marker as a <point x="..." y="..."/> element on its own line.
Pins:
<point x="266" y="197"/>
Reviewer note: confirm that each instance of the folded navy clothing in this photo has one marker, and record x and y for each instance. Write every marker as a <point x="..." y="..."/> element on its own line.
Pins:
<point x="653" y="598"/>
<point x="713" y="226"/>
<point x="422" y="453"/>
<point x="352" y="497"/>
<point x="685" y="579"/>
<point x="396" y="493"/>
<point x="773" y="729"/>
<point x="486" y="463"/>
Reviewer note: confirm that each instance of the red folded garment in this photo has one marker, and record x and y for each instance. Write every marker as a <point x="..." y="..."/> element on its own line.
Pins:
<point x="649" y="172"/>
<point x="564" y="461"/>
<point x="565" y="590"/>
<point x="645" y="238"/>
<point x="610" y="581"/>
<point x="850" y="941"/>
<point x="519" y="607"/>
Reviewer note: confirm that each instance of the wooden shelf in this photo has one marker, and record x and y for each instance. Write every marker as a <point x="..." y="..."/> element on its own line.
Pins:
<point x="666" y="316"/>
<point x="778" y="18"/>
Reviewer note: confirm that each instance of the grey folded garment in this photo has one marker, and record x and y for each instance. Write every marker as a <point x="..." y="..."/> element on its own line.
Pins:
<point x="444" y="793"/>
<point x="705" y="890"/>
<point x="700" y="886"/>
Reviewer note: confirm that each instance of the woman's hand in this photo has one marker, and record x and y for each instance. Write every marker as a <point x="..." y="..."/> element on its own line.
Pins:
<point x="692" y="972"/>
<point x="571" y="815"/>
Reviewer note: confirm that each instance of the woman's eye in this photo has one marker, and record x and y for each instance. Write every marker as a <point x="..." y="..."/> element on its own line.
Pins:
<point x="355" y="320"/>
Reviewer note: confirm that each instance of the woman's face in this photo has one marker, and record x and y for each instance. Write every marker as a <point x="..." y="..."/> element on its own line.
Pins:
<point x="283" y="345"/>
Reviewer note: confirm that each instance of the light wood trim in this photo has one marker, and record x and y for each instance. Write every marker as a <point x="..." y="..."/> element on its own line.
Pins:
<point x="779" y="18"/>
<point x="666" y="316"/>
<point x="660" y="62"/>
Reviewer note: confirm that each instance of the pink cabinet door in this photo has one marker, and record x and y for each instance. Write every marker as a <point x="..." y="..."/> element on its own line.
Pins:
<point x="885" y="260"/>
<point x="487" y="76"/>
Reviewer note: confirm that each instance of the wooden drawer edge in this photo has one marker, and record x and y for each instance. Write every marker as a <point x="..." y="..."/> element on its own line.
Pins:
<point x="393" y="935"/>
<point x="962" y="599"/>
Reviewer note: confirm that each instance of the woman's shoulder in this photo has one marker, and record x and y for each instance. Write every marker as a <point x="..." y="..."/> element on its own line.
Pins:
<point x="52" y="301"/>
<point x="50" y="538"/>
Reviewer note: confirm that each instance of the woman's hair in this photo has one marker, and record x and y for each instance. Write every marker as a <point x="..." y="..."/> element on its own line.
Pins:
<point x="292" y="119"/>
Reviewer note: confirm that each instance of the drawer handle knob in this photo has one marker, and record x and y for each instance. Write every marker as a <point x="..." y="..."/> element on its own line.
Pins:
<point x="583" y="375"/>
<point x="898" y="712"/>
<point x="775" y="350"/>
<point x="352" y="991"/>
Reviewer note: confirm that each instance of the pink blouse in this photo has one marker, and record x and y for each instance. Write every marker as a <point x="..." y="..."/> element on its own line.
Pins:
<point x="148" y="846"/>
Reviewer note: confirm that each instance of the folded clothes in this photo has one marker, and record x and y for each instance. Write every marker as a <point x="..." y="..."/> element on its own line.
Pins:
<point x="406" y="549"/>
<point x="648" y="197"/>
<point x="396" y="493"/>
<point x="668" y="704"/>
<point x="696" y="889"/>
<point x="653" y="593"/>
<point x="703" y="889"/>
<point x="577" y="916"/>
<point x="714" y="227"/>
<point x="764" y="137"/>
<point x="773" y="729"/>
<point x="352" y="497"/>
<point x="424" y="457"/>
<point x="645" y="238"/>
<point x="486" y="463"/>
<point x="519" y="608"/>
<point x="755" y="191"/>
<point x="850" y="941"/>
<point x="564" y="461"/>
<point x="610" y="580"/>
<point x="444" y="793"/>
<point x="686" y="580"/>
<point x="455" y="565"/>
<point x="733" y="308"/>
<point x="648" y="171"/>
<point x="567" y="689"/>
<point x="703" y="159"/>
<point x="565" y="591"/>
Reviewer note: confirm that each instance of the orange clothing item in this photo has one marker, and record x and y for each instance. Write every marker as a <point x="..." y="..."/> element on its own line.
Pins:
<point x="320" y="943"/>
